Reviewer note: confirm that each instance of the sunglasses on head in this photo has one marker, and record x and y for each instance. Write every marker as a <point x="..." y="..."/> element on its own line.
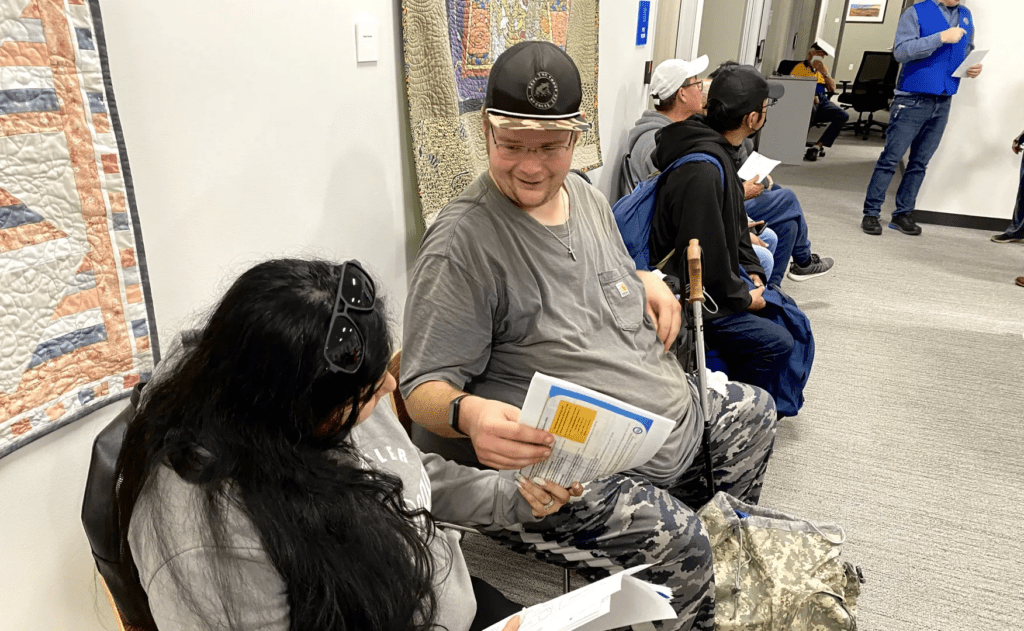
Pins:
<point x="345" y="346"/>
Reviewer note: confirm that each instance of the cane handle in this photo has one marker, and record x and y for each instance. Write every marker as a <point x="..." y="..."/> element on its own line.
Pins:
<point x="696" y="280"/>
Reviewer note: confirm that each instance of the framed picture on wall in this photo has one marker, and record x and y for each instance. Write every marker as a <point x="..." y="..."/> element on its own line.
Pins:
<point x="866" y="11"/>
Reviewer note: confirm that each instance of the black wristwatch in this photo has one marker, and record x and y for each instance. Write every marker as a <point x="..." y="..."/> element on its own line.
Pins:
<point x="453" y="413"/>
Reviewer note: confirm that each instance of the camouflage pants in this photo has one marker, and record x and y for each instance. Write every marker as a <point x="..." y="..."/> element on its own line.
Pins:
<point x="622" y="520"/>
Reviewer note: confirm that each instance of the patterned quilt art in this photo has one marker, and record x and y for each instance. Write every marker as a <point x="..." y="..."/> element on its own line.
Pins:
<point x="450" y="46"/>
<point x="76" y="320"/>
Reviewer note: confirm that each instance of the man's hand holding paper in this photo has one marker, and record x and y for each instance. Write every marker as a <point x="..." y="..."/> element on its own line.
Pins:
<point x="499" y="440"/>
<point x="757" y="167"/>
<point x="594" y="435"/>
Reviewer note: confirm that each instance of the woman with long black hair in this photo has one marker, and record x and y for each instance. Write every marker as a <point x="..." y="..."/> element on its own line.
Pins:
<point x="252" y="494"/>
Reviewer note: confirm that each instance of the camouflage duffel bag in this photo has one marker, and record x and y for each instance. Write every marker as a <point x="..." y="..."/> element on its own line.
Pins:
<point x="774" y="572"/>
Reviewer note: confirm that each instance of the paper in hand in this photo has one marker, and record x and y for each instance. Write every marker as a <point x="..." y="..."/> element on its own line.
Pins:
<point x="757" y="166"/>
<point x="972" y="59"/>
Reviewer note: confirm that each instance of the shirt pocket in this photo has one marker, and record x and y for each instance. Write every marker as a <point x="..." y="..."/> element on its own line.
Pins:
<point x="624" y="295"/>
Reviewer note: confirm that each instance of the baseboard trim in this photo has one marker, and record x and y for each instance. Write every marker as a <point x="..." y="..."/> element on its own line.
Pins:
<point x="991" y="224"/>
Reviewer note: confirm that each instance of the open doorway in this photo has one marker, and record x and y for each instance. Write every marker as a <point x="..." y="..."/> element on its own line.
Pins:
<point x="724" y="30"/>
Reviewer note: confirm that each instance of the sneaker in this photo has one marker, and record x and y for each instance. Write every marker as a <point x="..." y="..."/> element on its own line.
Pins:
<point x="871" y="225"/>
<point x="813" y="268"/>
<point x="1005" y="238"/>
<point x="821" y="152"/>
<point x="905" y="224"/>
<point x="1020" y="281"/>
<point x="811" y="155"/>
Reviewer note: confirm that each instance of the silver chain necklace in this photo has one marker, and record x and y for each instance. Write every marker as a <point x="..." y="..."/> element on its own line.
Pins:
<point x="568" y="226"/>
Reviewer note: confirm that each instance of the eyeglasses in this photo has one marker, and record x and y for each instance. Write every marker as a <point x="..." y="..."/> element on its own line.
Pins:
<point x="691" y="83"/>
<point x="771" y="102"/>
<point x="517" y="152"/>
<point x="345" y="346"/>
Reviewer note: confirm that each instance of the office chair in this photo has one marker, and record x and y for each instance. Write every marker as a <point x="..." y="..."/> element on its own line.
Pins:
<point x="100" y="520"/>
<point x="872" y="90"/>
<point x="786" y="66"/>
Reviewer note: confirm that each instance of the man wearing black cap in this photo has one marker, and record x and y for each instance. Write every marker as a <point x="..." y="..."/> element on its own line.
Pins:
<point x="526" y="271"/>
<point x="704" y="200"/>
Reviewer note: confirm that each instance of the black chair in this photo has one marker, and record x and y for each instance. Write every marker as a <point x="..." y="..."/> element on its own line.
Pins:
<point x="872" y="90"/>
<point x="786" y="66"/>
<point x="100" y="519"/>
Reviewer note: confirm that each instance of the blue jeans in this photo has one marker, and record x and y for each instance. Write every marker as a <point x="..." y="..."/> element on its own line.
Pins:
<point x="1016" y="229"/>
<point x="779" y="209"/>
<point x="835" y="116"/>
<point x="765" y="256"/>
<point x="916" y="122"/>
<point x="753" y="348"/>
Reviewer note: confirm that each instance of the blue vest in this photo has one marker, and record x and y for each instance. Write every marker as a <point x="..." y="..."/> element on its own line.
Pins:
<point x="933" y="75"/>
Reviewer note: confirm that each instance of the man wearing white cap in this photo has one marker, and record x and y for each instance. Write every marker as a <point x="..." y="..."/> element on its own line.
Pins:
<point x="677" y="96"/>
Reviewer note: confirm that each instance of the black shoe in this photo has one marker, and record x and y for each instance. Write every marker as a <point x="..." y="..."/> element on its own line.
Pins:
<point x="1005" y="238"/>
<point x="821" y="152"/>
<point x="811" y="155"/>
<point x="905" y="224"/>
<point x="871" y="225"/>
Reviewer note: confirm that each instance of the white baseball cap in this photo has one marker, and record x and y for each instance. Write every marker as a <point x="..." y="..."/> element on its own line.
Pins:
<point x="671" y="74"/>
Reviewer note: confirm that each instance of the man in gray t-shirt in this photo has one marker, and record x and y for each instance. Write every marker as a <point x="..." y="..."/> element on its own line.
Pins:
<point x="526" y="271"/>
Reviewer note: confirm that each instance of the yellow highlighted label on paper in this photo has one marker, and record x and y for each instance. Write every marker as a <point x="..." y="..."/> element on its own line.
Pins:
<point x="573" y="421"/>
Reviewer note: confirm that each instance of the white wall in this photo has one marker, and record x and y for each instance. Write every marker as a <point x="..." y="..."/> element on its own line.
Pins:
<point x="620" y="95"/>
<point x="721" y="30"/>
<point x="974" y="172"/>
<point x="251" y="132"/>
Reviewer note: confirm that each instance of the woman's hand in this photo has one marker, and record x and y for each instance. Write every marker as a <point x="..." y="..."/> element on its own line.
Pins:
<point x="546" y="498"/>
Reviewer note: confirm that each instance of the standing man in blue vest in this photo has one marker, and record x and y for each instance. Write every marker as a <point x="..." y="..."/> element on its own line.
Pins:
<point x="932" y="39"/>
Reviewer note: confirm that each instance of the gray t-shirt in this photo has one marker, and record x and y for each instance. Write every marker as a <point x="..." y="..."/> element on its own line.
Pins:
<point x="256" y="592"/>
<point x="495" y="297"/>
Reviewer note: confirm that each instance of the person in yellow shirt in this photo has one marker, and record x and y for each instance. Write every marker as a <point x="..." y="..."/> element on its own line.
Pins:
<point x="825" y="111"/>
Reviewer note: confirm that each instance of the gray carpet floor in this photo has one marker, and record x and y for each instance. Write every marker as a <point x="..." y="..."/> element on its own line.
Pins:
<point x="911" y="436"/>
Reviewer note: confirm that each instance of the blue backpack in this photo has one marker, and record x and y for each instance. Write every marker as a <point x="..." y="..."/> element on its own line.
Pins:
<point x="634" y="212"/>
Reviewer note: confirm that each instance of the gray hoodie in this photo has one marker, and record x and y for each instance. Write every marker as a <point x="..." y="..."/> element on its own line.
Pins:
<point x="640" y="148"/>
<point x="452" y="493"/>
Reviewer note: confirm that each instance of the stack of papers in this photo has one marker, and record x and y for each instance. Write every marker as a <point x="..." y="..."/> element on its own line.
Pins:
<point x="595" y="435"/>
<point x="617" y="601"/>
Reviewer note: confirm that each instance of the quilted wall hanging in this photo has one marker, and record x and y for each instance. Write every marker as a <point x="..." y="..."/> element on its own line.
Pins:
<point x="76" y="319"/>
<point x="449" y="48"/>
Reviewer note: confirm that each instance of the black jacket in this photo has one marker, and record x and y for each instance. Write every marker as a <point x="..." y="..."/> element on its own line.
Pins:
<point x="693" y="205"/>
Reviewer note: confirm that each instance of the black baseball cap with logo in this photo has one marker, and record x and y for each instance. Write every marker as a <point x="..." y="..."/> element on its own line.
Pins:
<point x="741" y="90"/>
<point x="535" y="85"/>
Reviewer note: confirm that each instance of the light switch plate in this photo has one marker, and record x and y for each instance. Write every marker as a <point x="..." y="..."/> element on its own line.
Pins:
<point x="367" y="39"/>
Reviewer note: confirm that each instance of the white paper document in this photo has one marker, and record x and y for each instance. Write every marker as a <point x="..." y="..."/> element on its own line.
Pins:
<point x="757" y="166"/>
<point x="616" y="601"/>
<point x="974" y="58"/>
<point x="595" y="435"/>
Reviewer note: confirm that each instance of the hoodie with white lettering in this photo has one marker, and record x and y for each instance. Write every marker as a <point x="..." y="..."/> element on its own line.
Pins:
<point x="451" y="492"/>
